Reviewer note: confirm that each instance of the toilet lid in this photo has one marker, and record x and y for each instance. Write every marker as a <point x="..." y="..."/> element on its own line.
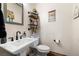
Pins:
<point x="43" y="47"/>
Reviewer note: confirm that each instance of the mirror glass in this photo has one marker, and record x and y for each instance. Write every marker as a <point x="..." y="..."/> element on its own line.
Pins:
<point x="13" y="13"/>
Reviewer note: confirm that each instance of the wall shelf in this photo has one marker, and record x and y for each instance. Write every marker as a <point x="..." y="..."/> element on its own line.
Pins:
<point x="33" y="17"/>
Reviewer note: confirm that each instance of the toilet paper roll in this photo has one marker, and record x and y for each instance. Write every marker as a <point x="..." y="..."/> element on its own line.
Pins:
<point x="57" y="41"/>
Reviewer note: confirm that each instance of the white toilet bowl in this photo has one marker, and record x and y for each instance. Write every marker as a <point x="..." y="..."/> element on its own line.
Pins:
<point x="43" y="48"/>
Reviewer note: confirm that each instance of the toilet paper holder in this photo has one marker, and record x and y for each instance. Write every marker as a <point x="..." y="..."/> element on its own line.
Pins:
<point x="57" y="41"/>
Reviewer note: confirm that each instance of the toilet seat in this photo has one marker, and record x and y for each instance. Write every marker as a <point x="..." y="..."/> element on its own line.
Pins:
<point x="43" y="48"/>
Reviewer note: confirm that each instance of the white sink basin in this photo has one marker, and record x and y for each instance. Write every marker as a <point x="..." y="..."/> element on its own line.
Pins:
<point x="22" y="42"/>
<point x="18" y="46"/>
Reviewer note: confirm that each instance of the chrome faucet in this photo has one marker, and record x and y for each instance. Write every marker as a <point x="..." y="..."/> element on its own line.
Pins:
<point x="18" y="32"/>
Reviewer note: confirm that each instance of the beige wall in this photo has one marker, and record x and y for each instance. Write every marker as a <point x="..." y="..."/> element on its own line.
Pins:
<point x="65" y="29"/>
<point x="60" y="30"/>
<point x="75" y="36"/>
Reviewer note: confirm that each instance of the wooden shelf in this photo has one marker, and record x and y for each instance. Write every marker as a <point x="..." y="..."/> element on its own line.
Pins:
<point x="33" y="17"/>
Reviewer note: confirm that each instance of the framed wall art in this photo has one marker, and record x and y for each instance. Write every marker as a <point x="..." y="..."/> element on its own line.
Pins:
<point x="76" y="12"/>
<point x="52" y="16"/>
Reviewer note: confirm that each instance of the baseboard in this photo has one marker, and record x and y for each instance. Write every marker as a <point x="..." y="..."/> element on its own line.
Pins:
<point x="55" y="54"/>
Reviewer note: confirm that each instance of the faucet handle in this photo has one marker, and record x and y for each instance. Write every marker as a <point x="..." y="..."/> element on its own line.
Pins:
<point x="24" y="34"/>
<point x="11" y="38"/>
<point x="21" y="36"/>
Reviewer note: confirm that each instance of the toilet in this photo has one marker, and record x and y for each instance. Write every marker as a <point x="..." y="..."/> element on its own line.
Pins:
<point x="42" y="49"/>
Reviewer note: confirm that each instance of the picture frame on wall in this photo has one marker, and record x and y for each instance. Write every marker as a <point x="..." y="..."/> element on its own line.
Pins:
<point x="76" y="12"/>
<point x="13" y="13"/>
<point x="52" y="16"/>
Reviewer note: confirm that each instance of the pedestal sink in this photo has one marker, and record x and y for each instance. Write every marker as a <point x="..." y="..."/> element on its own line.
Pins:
<point x="20" y="46"/>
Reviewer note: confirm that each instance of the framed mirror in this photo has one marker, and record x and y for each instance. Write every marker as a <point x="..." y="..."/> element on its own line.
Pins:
<point x="13" y="13"/>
